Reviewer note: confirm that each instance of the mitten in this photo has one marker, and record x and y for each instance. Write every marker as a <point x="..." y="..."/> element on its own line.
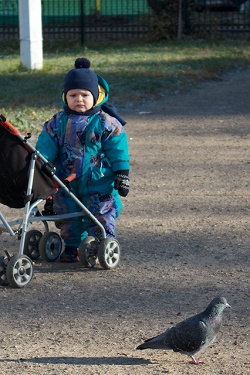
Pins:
<point x="122" y="183"/>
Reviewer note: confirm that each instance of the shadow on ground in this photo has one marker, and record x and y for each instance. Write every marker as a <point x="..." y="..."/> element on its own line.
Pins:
<point x="117" y="361"/>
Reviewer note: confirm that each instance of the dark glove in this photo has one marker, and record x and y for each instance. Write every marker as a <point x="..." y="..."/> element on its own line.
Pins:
<point x="122" y="183"/>
<point x="67" y="184"/>
<point x="48" y="207"/>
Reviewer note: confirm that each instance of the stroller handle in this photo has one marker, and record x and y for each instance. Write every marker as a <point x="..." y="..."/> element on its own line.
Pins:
<point x="10" y="128"/>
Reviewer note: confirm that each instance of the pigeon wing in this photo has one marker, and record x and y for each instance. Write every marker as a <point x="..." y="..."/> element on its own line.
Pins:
<point x="188" y="336"/>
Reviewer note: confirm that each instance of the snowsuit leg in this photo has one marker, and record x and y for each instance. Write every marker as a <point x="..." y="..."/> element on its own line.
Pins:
<point x="74" y="230"/>
<point x="105" y="207"/>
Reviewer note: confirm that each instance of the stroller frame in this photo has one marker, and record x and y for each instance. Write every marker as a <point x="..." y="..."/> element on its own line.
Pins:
<point x="17" y="270"/>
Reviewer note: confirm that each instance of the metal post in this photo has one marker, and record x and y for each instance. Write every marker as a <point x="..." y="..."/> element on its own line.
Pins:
<point x="98" y="8"/>
<point x="82" y="21"/>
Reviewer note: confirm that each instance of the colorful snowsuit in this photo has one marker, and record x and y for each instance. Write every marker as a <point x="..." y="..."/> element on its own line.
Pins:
<point x="90" y="148"/>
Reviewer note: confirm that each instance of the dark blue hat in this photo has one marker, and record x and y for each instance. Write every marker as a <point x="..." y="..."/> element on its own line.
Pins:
<point x="81" y="78"/>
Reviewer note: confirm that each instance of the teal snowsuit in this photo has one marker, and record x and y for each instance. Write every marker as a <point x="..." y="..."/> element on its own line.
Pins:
<point x="88" y="150"/>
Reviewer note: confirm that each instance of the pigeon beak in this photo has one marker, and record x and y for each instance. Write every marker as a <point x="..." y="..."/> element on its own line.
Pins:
<point x="227" y="305"/>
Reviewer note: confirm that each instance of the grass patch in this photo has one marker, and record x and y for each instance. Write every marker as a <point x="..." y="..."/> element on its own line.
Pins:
<point x="135" y="72"/>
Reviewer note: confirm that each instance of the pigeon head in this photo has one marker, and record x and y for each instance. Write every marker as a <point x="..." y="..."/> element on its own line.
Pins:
<point x="216" y="306"/>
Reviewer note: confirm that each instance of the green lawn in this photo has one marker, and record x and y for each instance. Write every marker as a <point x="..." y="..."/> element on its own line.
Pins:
<point x="134" y="72"/>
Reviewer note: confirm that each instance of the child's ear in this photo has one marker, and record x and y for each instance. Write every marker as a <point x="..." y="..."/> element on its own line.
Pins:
<point x="101" y="95"/>
<point x="64" y="98"/>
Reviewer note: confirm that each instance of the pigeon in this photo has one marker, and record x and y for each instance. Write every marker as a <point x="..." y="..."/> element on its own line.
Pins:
<point x="193" y="334"/>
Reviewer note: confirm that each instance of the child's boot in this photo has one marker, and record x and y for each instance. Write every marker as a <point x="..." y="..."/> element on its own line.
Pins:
<point x="69" y="255"/>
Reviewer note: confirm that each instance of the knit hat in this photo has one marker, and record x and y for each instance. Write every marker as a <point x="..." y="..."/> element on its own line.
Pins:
<point x="81" y="78"/>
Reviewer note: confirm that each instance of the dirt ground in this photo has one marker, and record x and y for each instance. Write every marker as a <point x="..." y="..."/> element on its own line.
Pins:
<point x="184" y="235"/>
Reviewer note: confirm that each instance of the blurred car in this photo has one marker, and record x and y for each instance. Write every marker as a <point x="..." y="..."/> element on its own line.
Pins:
<point x="219" y="5"/>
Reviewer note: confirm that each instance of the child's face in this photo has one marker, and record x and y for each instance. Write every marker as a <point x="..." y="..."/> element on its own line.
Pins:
<point x="80" y="100"/>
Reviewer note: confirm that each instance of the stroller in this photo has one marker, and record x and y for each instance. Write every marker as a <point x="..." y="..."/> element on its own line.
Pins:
<point x="27" y="179"/>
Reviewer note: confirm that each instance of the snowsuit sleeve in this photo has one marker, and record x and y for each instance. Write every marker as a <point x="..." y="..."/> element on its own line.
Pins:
<point x="115" y="144"/>
<point x="48" y="140"/>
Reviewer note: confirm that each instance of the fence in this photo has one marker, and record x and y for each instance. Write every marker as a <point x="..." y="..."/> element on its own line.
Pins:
<point x="224" y="17"/>
<point x="105" y="20"/>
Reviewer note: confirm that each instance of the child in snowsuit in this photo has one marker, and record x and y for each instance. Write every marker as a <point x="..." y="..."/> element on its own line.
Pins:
<point x="90" y="151"/>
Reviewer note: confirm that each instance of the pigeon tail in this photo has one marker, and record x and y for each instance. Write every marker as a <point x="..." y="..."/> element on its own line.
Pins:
<point x="142" y="346"/>
<point x="151" y="345"/>
<point x="157" y="342"/>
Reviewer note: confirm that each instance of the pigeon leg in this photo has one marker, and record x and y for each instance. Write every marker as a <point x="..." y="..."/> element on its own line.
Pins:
<point x="195" y="362"/>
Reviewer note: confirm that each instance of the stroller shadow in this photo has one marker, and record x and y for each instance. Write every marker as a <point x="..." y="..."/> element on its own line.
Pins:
<point x="117" y="361"/>
<point x="42" y="266"/>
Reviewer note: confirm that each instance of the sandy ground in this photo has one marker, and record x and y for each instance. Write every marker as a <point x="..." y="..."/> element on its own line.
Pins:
<point x="184" y="235"/>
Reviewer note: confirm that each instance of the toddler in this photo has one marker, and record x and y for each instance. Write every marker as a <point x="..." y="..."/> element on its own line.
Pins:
<point x="89" y="148"/>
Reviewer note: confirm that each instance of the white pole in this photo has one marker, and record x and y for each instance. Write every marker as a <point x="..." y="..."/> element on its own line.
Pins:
<point x="30" y="29"/>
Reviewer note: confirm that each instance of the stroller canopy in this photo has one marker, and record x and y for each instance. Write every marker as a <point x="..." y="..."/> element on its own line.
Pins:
<point x="15" y="160"/>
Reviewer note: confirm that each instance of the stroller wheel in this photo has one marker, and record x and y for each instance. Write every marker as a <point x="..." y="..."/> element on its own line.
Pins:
<point x="31" y="243"/>
<point x="3" y="266"/>
<point x="109" y="253"/>
<point x="88" y="252"/>
<point x="50" y="246"/>
<point x="19" y="271"/>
